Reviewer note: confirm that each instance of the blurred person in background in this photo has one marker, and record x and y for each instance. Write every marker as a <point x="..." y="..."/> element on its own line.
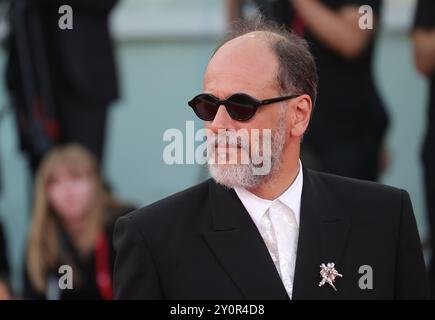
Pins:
<point x="4" y="268"/>
<point x="61" y="81"/>
<point x="4" y="265"/>
<point x="72" y="225"/>
<point x="423" y="37"/>
<point x="349" y="122"/>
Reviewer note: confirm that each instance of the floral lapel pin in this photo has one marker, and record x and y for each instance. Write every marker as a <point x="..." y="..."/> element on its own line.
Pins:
<point x="328" y="274"/>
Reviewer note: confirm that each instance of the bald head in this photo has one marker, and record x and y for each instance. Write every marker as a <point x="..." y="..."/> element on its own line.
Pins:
<point x="246" y="49"/>
<point x="263" y="51"/>
<point x="244" y="60"/>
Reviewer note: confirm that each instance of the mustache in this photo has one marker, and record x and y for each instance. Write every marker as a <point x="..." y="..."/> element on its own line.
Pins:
<point x="229" y="139"/>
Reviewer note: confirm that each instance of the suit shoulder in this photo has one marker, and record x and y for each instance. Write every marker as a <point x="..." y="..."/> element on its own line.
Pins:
<point x="361" y="196"/>
<point x="362" y="201"/>
<point x="353" y="186"/>
<point x="172" y="206"/>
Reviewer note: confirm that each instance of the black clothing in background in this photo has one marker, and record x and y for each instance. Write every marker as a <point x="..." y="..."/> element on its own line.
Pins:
<point x="201" y="243"/>
<point x="4" y="265"/>
<point x="82" y="71"/>
<point x="349" y="119"/>
<point x="425" y="19"/>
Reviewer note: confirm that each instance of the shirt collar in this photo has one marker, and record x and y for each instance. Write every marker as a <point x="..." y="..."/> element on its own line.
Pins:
<point x="257" y="206"/>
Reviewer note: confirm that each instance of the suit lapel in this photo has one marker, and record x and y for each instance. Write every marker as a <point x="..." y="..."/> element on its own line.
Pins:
<point x="238" y="246"/>
<point x="322" y="238"/>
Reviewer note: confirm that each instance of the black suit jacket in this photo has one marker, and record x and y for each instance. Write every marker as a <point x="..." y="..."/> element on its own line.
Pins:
<point x="202" y="244"/>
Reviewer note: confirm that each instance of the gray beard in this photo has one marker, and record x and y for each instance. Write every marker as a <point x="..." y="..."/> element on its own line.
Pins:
<point x="242" y="175"/>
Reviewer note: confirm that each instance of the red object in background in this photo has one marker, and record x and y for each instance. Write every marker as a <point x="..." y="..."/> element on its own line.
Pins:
<point x="298" y="25"/>
<point x="49" y="124"/>
<point x="103" y="273"/>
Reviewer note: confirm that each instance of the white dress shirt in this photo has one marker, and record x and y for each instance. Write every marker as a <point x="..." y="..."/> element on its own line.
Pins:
<point x="285" y="231"/>
<point x="257" y="207"/>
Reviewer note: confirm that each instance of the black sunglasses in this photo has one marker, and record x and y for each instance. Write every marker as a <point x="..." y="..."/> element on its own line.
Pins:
<point x="240" y="106"/>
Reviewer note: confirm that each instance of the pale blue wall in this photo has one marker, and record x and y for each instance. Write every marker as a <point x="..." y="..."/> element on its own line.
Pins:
<point x="405" y="94"/>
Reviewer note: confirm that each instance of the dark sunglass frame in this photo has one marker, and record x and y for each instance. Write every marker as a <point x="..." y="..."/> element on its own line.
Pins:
<point x="252" y="107"/>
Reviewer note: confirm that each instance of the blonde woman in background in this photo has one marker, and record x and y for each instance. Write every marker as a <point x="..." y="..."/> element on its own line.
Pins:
<point x="73" y="216"/>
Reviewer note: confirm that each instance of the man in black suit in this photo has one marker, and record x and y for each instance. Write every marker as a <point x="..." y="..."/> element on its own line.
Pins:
<point x="285" y="233"/>
<point x="73" y="68"/>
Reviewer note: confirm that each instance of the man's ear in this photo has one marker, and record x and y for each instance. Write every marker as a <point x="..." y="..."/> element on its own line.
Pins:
<point x="301" y="109"/>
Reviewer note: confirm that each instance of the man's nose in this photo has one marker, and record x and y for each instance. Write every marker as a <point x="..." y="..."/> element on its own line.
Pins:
<point x="222" y="120"/>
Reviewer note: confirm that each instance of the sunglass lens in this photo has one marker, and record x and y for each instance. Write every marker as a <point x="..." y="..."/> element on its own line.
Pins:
<point x="204" y="106"/>
<point x="241" y="107"/>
